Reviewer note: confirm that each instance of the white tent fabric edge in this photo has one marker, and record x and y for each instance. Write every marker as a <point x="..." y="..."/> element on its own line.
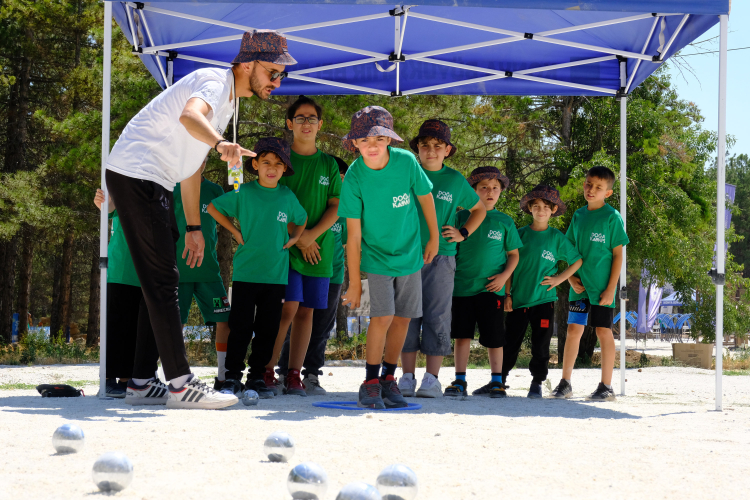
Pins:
<point x="717" y="273"/>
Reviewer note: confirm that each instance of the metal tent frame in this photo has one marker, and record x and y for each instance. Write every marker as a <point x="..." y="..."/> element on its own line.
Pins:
<point x="161" y="61"/>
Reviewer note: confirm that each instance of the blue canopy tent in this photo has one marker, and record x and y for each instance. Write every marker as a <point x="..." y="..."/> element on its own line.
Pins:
<point x="468" y="47"/>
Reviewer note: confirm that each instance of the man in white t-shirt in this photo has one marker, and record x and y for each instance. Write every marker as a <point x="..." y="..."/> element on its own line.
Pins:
<point x="162" y="145"/>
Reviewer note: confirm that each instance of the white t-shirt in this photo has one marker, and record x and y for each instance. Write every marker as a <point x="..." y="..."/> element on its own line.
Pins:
<point x="156" y="147"/>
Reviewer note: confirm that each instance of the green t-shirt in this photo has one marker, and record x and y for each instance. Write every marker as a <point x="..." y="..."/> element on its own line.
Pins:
<point x="595" y="233"/>
<point x="263" y="214"/>
<point x="120" y="268"/>
<point x="450" y="191"/>
<point x="339" y="236"/>
<point x="483" y="254"/>
<point x="316" y="179"/>
<point x="385" y="201"/>
<point x="208" y="272"/>
<point x="538" y="258"/>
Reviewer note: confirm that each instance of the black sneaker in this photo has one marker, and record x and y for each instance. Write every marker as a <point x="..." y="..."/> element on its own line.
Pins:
<point x="497" y="390"/>
<point x="602" y="393"/>
<point x="456" y="389"/>
<point x="231" y="386"/>
<point x="259" y="386"/>
<point x="482" y="391"/>
<point x="114" y="390"/>
<point x="392" y="397"/>
<point x="563" y="390"/>
<point x="218" y="383"/>
<point x="370" y="395"/>
<point x="535" y="391"/>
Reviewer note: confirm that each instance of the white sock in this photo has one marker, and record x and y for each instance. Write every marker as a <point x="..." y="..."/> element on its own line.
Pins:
<point x="179" y="382"/>
<point x="222" y="358"/>
<point x="141" y="381"/>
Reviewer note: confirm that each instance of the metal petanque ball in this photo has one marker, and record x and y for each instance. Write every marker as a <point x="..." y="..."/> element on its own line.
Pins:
<point x="112" y="471"/>
<point x="279" y="447"/>
<point x="250" y="398"/>
<point x="397" y="482"/>
<point x="358" y="491"/>
<point x="307" y="481"/>
<point x="68" y="438"/>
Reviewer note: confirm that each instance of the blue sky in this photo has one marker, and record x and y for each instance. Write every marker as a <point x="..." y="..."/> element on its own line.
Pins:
<point x="702" y="89"/>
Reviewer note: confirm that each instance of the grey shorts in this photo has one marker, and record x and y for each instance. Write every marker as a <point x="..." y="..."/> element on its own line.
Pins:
<point x="435" y="323"/>
<point x="395" y="296"/>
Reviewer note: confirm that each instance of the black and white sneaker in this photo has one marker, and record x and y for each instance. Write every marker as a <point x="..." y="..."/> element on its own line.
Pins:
<point x="535" y="391"/>
<point x="197" y="395"/>
<point x="602" y="393"/>
<point x="231" y="386"/>
<point x="115" y="389"/>
<point x="153" y="392"/>
<point x="563" y="390"/>
<point x="259" y="386"/>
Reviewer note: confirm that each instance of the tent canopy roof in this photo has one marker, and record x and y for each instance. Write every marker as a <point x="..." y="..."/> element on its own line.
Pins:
<point x="469" y="47"/>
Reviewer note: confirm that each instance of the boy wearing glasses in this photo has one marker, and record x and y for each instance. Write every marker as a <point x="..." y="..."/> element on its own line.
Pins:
<point x="317" y="185"/>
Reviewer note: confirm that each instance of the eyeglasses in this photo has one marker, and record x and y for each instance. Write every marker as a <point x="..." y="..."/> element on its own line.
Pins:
<point x="275" y="75"/>
<point x="312" y="120"/>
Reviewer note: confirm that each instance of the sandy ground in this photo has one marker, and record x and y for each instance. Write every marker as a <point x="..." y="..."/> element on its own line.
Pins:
<point x="661" y="441"/>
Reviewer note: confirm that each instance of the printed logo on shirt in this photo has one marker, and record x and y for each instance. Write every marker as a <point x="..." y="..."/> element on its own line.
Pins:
<point x="401" y="201"/>
<point x="495" y="235"/>
<point x="204" y="208"/>
<point x="323" y="180"/>
<point x="546" y="254"/>
<point x="281" y="217"/>
<point x="598" y="238"/>
<point x="336" y="228"/>
<point x="445" y="196"/>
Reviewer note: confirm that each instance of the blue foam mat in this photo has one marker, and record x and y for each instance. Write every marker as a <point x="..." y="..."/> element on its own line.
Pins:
<point x="352" y="405"/>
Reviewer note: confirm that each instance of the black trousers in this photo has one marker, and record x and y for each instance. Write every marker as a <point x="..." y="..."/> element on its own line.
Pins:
<point x="541" y="318"/>
<point x="126" y="312"/>
<point x="323" y="321"/>
<point x="146" y="212"/>
<point x="256" y="307"/>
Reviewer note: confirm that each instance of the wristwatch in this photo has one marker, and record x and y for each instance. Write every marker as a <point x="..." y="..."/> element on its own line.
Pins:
<point x="189" y="229"/>
<point x="464" y="232"/>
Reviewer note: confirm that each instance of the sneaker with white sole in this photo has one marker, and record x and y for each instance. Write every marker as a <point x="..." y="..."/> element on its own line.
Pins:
<point x="563" y="390"/>
<point x="197" y="395"/>
<point x="407" y="385"/>
<point x="602" y="393"/>
<point x="231" y="386"/>
<point x="153" y="392"/>
<point x="430" y="387"/>
<point x="312" y="386"/>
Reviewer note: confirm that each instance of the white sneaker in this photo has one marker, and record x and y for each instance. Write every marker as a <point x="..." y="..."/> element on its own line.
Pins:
<point x="407" y="385"/>
<point x="430" y="387"/>
<point x="197" y="395"/>
<point x="154" y="392"/>
<point x="312" y="385"/>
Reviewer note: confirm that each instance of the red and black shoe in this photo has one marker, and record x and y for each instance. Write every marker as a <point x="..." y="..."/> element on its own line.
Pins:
<point x="370" y="395"/>
<point x="294" y="384"/>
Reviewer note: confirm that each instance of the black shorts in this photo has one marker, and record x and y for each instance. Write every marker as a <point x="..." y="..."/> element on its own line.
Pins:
<point x="581" y="312"/>
<point x="484" y="310"/>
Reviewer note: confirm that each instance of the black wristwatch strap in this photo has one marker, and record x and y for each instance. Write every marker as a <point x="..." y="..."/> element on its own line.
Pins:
<point x="464" y="232"/>
<point x="192" y="228"/>
<point x="217" y="144"/>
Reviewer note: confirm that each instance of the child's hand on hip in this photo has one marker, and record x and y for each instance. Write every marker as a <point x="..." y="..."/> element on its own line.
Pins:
<point x="497" y="282"/>
<point x="552" y="281"/>
<point x="452" y="235"/>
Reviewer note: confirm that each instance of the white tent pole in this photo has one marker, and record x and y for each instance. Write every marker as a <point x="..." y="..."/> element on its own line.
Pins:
<point x="338" y="84"/>
<point x="721" y="206"/>
<point x="104" y="216"/>
<point x="624" y="214"/>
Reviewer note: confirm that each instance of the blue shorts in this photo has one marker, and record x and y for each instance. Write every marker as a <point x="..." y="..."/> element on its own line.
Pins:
<point x="582" y="312"/>
<point x="309" y="291"/>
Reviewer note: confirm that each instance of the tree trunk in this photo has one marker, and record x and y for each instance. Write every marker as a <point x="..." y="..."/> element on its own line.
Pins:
<point x="54" y="315"/>
<point x="66" y="268"/>
<point x="18" y="117"/>
<point x="342" y="312"/>
<point x="92" y="327"/>
<point x="8" y="271"/>
<point x="24" y="279"/>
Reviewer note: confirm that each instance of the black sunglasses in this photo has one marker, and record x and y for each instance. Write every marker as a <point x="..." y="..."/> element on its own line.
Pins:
<point x="275" y="75"/>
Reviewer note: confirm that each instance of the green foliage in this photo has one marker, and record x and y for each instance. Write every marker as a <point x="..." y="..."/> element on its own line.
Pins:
<point x="36" y="348"/>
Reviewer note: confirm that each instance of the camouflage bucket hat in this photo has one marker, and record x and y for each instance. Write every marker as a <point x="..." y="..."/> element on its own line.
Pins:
<point x="436" y="129"/>
<point x="264" y="45"/>
<point x="279" y="147"/>
<point x="368" y="122"/>
<point x="483" y="173"/>
<point x="544" y="192"/>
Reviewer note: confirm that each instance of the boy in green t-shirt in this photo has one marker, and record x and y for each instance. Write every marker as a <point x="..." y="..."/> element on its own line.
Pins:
<point x="317" y="185"/>
<point x="383" y="234"/>
<point x="484" y="263"/>
<point x="450" y="191"/>
<point x="204" y="282"/>
<point x="598" y="233"/>
<point x="323" y="319"/>
<point x="534" y="294"/>
<point x="267" y="213"/>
